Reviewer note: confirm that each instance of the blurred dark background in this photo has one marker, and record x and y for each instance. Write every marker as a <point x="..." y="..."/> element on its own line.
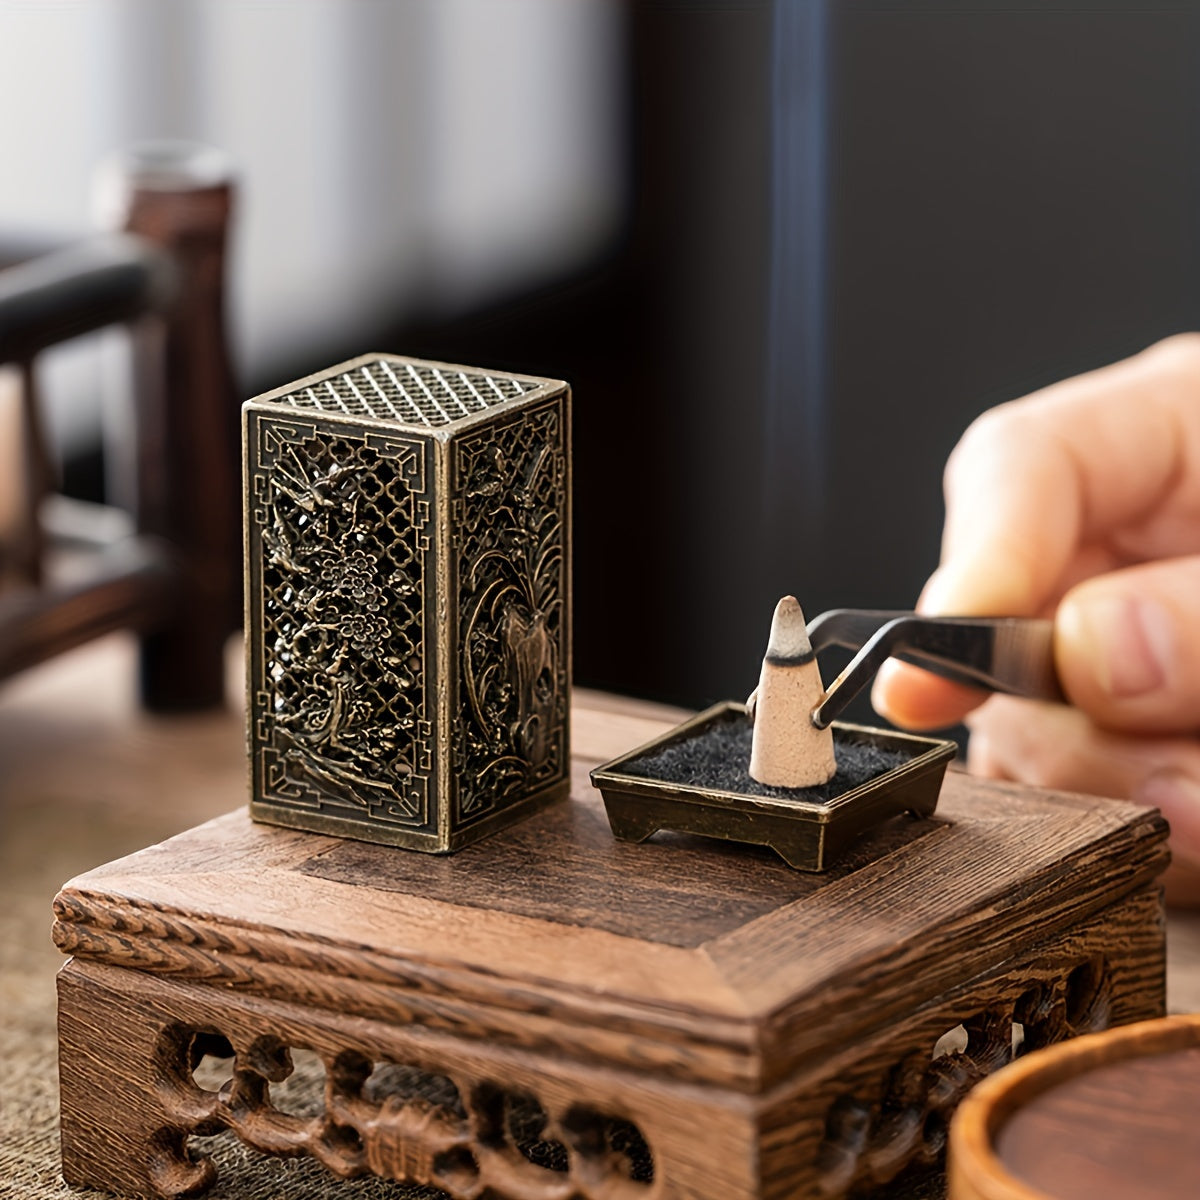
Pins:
<point x="784" y="251"/>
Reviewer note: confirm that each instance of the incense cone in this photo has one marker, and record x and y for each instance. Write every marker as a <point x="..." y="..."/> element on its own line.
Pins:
<point x="788" y="749"/>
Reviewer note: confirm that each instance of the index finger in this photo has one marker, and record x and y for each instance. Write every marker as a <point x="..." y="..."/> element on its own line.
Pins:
<point x="1042" y="489"/>
<point x="1036" y="481"/>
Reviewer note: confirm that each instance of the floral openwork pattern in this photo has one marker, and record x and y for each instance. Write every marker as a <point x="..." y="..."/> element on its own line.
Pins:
<point x="340" y="541"/>
<point x="902" y="1119"/>
<point x="509" y="737"/>
<point x="470" y="1138"/>
<point x="409" y="608"/>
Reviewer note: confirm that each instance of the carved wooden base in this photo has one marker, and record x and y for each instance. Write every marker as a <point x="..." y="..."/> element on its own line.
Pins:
<point x="472" y="1120"/>
<point x="553" y="1014"/>
<point x="489" y="1121"/>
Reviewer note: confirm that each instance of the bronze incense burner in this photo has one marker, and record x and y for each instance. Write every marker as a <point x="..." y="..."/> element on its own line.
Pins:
<point x="697" y="779"/>
<point x="408" y="608"/>
<point x="809" y="828"/>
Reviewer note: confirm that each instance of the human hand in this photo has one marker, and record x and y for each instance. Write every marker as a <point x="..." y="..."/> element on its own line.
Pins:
<point x="1082" y="502"/>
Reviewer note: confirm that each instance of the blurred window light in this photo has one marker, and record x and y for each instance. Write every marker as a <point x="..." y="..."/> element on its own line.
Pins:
<point x="396" y="156"/>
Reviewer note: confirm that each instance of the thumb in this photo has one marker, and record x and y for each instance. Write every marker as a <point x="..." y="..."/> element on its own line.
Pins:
<point x="1127" y="646"/>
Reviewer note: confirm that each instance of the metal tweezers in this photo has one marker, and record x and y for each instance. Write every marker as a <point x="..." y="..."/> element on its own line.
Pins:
<point x="1002" y="654"/>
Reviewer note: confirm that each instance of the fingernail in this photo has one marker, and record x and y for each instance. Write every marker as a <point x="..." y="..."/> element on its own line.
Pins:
<point x="1126" y="642"/>
<point x="879" y="688"/>
<point x="1177" y="796"/>
<point x="977" y="585"/>
<point x="979" y="754"/>
<point x="951" y="589"/>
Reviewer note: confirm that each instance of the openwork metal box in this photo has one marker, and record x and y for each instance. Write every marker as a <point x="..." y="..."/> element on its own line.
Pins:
<point x="408" y="600"/>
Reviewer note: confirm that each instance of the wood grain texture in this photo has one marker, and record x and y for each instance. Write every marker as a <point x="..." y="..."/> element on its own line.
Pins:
<point x="129" y="1101"/>
<point x="1122" y="1128"/>
<point x="649" y="894"/>
<point x="1107" y="1116"/>
<point x="679" y="984"/>
<point x="883" y="1104"/>
<point x="797" y="945"/>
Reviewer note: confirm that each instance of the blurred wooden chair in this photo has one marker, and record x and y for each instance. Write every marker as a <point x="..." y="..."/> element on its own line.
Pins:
<point x="172" y="572"/>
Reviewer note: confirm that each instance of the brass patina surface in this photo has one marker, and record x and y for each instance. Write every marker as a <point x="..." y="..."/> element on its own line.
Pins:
<point x="408" y="607"/>
<point x="807" y="835"/>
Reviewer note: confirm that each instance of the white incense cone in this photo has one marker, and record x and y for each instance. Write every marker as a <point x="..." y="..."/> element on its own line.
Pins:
<point x="788" y="749"/>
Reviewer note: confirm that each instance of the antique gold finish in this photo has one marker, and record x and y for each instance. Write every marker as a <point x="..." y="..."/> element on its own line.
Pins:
<point x="408" y="606"/>
<point x="806" y="835"/>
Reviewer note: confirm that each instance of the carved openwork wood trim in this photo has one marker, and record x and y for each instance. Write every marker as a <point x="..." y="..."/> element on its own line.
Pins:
<point x="874" y="1132"/>
<point x="471" y="1138"/>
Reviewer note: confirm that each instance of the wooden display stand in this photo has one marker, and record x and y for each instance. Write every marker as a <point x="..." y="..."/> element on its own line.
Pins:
<point x="577" y="1017"/>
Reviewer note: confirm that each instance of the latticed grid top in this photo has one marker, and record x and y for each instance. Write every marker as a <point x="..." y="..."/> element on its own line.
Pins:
<point x="410" y="393"/>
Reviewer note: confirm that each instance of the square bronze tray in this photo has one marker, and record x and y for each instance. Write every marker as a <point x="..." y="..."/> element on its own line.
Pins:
<point x="806" y="834"/>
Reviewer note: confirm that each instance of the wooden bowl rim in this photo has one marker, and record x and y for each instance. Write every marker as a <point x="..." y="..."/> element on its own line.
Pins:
<point x="975" y="1170"/>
